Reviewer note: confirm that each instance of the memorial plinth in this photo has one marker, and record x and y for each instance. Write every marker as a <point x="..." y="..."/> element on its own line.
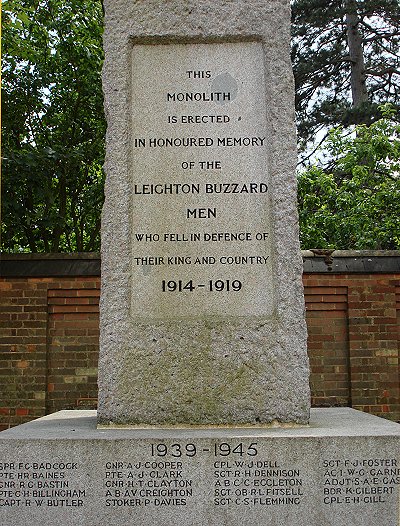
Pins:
<point x="202" y="309"/>
<point x="342" y="469"/>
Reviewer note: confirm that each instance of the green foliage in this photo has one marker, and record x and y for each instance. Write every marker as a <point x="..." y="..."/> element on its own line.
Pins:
<point x="53" y="125"/>
<point x="355" y="203"/>
<point x="323" y="66"/>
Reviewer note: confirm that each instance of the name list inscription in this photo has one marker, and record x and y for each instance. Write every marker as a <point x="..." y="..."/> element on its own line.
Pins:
<point x="200" y="223"/>
<point x="359" y="480"/>
<point x="40" y="484"/>
<point x="222" y="474"/>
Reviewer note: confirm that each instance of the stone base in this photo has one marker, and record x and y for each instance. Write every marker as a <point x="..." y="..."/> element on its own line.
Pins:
<point x="341" y="470"/>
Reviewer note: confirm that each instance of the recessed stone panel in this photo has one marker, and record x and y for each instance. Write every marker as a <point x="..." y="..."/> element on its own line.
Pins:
<point x="200" y="212"/>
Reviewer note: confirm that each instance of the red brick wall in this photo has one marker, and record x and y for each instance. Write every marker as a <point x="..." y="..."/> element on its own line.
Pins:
<point x="23" y="348"/>
<point x="49" y="338"/>
<point x="49" y="343"/>
<point x="328" y="341"/>
<point x="354" y="341"/>
<point x="73" y="345"/>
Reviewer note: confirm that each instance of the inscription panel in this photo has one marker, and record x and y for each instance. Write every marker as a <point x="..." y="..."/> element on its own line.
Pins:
<point x="200" y="224"/>
<point x="242" y="480"/>
<point x="31" y="484"/>
<point x="359" y="480"/>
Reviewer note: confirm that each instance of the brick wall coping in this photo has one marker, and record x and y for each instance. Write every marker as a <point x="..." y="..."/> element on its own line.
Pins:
<point x="50" y="265"/>
<point x="88" y="263"/>
<point x="351" y="261"/>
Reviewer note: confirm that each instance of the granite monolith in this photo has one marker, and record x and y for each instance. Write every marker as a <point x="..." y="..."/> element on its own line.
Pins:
<point x="202" y="309"/>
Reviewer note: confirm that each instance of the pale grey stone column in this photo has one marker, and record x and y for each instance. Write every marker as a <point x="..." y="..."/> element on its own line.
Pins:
<point x="202" y="309"/>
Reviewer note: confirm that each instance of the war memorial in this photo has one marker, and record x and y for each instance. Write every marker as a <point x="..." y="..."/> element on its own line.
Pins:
<point x="204" y="406"/>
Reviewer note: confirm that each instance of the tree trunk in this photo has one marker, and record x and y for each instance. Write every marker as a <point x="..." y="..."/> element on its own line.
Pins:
<point x="355" y="44"/>
<point x="62" y="204"/>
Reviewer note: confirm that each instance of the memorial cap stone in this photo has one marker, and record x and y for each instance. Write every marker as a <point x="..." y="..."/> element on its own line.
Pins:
<point x="202" y="309"/>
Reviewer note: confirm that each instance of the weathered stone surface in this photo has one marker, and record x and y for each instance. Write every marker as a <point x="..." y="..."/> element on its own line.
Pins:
<point x="203" y="355"/>
<point x="342" y="469"/>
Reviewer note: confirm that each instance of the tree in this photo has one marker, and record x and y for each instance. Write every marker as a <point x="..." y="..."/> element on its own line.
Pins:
<point x="346" y="59"/>
<point x="53" y="125"/>
<point x="346" y="56"/>
<point x="353" y="201"/>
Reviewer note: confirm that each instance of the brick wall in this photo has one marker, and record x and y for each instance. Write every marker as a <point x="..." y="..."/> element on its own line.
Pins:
<point x="354" y="341"/>
<point x="49" y="329"/>
<point x="49" y="334"/>
<point x="72" y="344"/>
